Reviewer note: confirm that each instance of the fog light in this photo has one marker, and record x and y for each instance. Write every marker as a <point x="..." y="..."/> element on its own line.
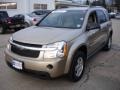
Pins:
<point x="50" y="66"/>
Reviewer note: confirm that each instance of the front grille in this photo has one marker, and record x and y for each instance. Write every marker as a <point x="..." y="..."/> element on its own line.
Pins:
<point x="26" y="44"/>
<point x="24" y="52"/>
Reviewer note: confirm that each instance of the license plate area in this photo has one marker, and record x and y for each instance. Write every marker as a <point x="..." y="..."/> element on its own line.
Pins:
<point x="17" y="64"/>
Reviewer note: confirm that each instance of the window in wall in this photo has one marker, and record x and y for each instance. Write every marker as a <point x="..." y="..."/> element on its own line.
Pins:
<point x="2" y="5"/>
<point x="36" y="6"/>
<point x="40" y="6"/>
<point x="12" y="6"/>
<point x="8" y="5"/>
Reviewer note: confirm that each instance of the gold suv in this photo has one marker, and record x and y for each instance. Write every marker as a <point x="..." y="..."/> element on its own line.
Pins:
<point x="61" y="42"/>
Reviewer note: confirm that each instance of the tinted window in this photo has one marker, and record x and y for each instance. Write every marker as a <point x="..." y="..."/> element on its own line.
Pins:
<point x="41" y="12"/>
<point x="19" y="16"/>
<point x="101" y="16"/>
<point x="64" y="19"/>
<point x="92" y="20"/>
<point x="3" y="14"/>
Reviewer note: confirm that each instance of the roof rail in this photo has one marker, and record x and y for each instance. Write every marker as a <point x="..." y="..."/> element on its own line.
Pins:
<point x="84" y="5"/>
<point x="90" y="5"/>
<point x="96" y="6"/>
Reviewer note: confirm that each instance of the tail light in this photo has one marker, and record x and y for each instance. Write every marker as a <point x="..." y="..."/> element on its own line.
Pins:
<point x="34" y="19"/>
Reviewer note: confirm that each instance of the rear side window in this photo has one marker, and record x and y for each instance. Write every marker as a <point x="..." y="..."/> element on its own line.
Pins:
<point x="101" y="16"/>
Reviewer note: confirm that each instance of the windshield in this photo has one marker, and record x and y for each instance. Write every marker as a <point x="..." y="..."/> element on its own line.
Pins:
<point x="64" y="19"/>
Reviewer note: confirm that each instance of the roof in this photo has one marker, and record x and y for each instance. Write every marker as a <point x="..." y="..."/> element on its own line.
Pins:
<point x="75" y="8"/>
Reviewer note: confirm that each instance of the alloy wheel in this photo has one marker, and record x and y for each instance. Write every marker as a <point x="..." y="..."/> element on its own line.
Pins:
<point x="79" y="67"/>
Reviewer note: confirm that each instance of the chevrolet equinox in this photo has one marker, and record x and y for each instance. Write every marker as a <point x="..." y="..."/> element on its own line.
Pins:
<point x="61" y="42"/>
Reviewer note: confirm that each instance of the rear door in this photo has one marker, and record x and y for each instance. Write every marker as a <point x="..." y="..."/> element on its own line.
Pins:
<point x="105" y="24"/>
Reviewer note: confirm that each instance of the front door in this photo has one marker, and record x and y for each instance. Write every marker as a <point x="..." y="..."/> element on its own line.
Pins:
<point x="93" y="33"/>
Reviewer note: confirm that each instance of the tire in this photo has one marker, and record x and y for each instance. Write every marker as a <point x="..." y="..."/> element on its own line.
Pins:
<point x="77" y="67"/>
<point x="1" y="30"/>
<point x="108" y="45"/>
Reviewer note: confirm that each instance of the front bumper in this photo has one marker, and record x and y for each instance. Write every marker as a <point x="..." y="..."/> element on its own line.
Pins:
<point x="38" y="65"/>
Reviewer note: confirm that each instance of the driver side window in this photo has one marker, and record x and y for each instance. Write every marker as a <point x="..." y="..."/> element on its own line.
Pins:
<point x="92" y="20"/>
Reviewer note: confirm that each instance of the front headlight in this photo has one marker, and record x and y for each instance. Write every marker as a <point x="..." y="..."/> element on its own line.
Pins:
<point x="8" y="46"/>
<point x="10" y="40"/>
<point x="55" y="50"/>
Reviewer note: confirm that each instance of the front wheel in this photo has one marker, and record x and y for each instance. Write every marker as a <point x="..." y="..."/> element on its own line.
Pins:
<point x="108" y="45"/>
<point x="77" y="67"/>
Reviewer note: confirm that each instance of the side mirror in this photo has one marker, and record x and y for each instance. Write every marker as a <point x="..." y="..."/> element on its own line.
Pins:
<point x="93" y="26"/>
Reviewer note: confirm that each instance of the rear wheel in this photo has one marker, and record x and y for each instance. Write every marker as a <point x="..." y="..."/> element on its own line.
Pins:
<point x="108" y="45"/>
<point x="77" y="67"/>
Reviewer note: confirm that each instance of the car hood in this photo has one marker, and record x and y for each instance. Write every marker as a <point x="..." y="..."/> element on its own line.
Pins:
<point x="45" y="35"/>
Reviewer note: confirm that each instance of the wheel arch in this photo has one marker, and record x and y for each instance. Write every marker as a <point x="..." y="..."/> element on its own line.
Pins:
<point x="82" y="48"/>
<point x="111" y="33"/>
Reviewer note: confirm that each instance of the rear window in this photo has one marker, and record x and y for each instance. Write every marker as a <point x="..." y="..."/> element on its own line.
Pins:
<point x="40" y="12"/>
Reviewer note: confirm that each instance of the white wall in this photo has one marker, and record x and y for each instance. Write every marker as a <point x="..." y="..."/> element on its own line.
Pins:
<point x="26" y="6"/>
